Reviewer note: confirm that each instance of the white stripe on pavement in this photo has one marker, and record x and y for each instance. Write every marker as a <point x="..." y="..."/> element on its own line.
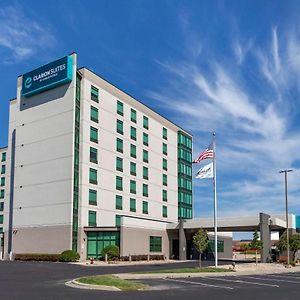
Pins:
<point x="199" y="283"/>
<point x="271" y="279"/>
<point x="283" y="276"/>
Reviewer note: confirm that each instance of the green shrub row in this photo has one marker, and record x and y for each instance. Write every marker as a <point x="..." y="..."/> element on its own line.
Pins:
<point x="65" y="256"/>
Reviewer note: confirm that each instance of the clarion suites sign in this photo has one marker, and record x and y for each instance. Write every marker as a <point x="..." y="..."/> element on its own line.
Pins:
<point x="48" y="76"/>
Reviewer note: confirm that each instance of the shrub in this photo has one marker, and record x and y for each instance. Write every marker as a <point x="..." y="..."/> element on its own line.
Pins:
<point x="69" y="256"/>
<point x="37" y="257"/>
<point x="112" y="252"/>
<point x="142" y="257"/>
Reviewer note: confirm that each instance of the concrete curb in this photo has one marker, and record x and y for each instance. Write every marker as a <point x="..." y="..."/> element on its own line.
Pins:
<point x="75" y="284"/>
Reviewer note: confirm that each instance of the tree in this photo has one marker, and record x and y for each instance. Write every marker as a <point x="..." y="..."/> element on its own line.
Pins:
<point x="200" y="240"/>
<point x="245" y="247"/>
<point x="294" y="242"/>
<point x="256" y="244"/>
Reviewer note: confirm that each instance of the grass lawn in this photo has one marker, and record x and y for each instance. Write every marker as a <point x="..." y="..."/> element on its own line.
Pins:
<point x="189" y="270"/>
<point x="110" y="280"/>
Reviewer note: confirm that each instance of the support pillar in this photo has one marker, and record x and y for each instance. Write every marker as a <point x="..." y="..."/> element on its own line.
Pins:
<point x="182" y="241"/>
<point x="265" y="236"/>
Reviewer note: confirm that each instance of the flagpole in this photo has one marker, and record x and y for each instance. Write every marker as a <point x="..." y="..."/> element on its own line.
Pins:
<point x="215" y="200"/>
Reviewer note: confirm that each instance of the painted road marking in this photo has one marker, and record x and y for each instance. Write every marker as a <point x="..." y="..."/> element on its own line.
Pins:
<point x="271" y="279"/>
<point x="200" y="283"/>
<point x="283" y="276"/>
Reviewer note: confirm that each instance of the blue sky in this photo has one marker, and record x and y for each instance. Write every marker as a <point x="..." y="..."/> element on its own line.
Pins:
<point x="228" y="66"/>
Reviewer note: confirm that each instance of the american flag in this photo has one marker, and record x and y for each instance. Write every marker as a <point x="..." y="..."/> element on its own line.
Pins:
<point x="207" y="153"/>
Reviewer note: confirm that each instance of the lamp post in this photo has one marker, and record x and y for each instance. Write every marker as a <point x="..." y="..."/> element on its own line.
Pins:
<point x="286" y="214"/>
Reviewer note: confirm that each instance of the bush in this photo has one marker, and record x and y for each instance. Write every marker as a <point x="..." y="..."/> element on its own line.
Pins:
<point x="69" y="256"/>
<point x="142" y="257"/>
<point x="37" y="257"/>
<point x="112" y="252"/>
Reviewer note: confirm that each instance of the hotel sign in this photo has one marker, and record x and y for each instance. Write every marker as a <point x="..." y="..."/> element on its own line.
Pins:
<point x="48" y="76"/>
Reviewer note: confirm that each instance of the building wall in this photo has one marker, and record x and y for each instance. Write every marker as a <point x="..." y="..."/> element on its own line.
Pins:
<point x="3" y="196"/>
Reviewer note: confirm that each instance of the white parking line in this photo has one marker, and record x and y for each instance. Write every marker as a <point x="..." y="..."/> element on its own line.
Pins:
<point x="271" y="279"/>
<point x="242" y="281"/>
<point x="283" y="276"/>
<point x="199" y="283"/>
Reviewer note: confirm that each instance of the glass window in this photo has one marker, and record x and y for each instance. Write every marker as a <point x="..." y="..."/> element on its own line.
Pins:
<point x="93" y="134"/>
<point x="155" y="244"/>
<point x="93" y="155"/>
<point x="145" y="207"/>
<point x="165" y="211"/>
<point x="1" y="207"/>
<point x="92" y="218"/>
<point x="119" y="183"/>
<point x="1" y="194"/>
<point x="1" y="219"/>
<point x="94" y="114"/>
<point x="92" y="197"/>
<point x="165" y="195"/>
<point x="120" y="108"/>
<point x="145" y="139"/>
<point x="132" y="205"/>
<point x="133" y="186"/>
<point x="93" y="176"/>
<point x="118" y="220"/>
<point x="3" y="169"/>
<point x="2" y="181"/>
<point x="145" y="190"/>
<point x="165" y="179"/>
<point x="133" y="151"/>
<point x="133" y="133"/>
<point x="145" y="122"/>
<point x="165" y="149"/>
<point x="133" y="168"/>
<point x="120" y="126"/>
<point x="94" y="93"/>
<point x="165" y="164"/>
<point x="133" y="115"/>
<point x="145" y="156"/>
<point x="145" y="173"/>
<point x="3" y="156"/>
<point x="119" y="200"/>
<point x="119" y="164"/>
<point x="119" y="145"/>
<point x="165" y="133"/>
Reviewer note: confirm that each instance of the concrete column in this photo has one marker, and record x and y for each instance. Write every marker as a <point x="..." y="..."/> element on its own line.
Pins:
<point x="182" y="241"/>
<point x="265" y="236"/>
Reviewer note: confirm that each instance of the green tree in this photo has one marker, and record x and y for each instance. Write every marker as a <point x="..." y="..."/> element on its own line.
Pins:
<point x="256" y="244"/>
<point x="245" y="247"/>
<point x="294" y="242"/>
<point x="200" y="240"/>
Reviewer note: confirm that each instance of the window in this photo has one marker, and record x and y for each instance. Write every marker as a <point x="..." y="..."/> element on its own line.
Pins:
<point x="119" y="201"/>
<point x="119" y="183"/>
<point x="133" y="133"/>
<point x="1" y="194"/>
<point x="165" y="164"/>
<point x="93" y="134"/>
<point x="165" y="133"/>
<point x="92" y="218"/>
<point x="145" y="156"/>
<point x="145" y="190"/>
<point x="92" y="197"/>
<point x="2" y="181"/>
<point x="145" y="207"/>
<point x="1" y="206"/>
<point x="120" y="126"/>
<point x="165" y="195"/>
<point x="119" y="145"/>
<point x="165" y="179"/>
<point x="93" y="155"/>
<point x="119" y="164"/>
<point x="145" y="173"/>
<point x="145" y="139"/>
<point x="1" y="219"/>
<point x="133" y="151"/>
<point x="133" y="168"/>
<point x="155" y="243"/>
<point x="94" y="94"/>
<point x="133" y="115"/>
<point x="145" y="122"/>
<point x="120" y="108"/>
<point x="165" y="149"/>
<point x="118" y="221"/>
<point x="94" y="114"/>
<point x="3" y="169"/>
<point x="3" y="156"/>
<point x="133" y="186"/>
<point x="165" y="211"/>
<point x="132" y="205"/>
<point x="93" y="176"/>
<point x="211" y="246"/>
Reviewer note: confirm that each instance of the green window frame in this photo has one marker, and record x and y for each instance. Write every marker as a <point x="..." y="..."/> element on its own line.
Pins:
<point x="133" y="133"/>
<point x="133" y="115"/>
<point x="119" y="164"/>
<point x="93" y="134"/>
<point x="165" y="164"/>
<point x="165" y="133"/>
<point x="3" y="158"/>
<point x="120" y="108"/>
<point x="94" y="94"/>
<point x="132" y="150"/>
<point x="119" y="145"/>
<point x="119" y="183"/>
<point x="165" y="211"/>
<point x="1" y="207"/>
<point x="145" y="156"/>
<point x="92" y="218"/>
<point x="164" y="179"/>
<point x="145" y="139"/>
<point x="165" y="149"/>
<point x="94" y="114"/>
<point x="132" y="205"/>
<point x="145" y="207"/>
<point x="2" y="183"/>
<point x="2" y="192"/>
<point x="3" y="169"/>
<point x="93" y="155"/>
<point x="119" y="202"/>
<point x="120" y="126"/>
<point x="155" y="244"/>
<point x="118" y="221"/>
<point x="145" y="122"/>
<point x="132" y="186"/>
<point x="132" y="168"/>
<point x="1" y="219"/>
<point x="145" y="173"/>
<point x="165" y="195"/>
<point x="92" y="197"/>
<point x="93" y="176"/>
<point x="145" y="190"/>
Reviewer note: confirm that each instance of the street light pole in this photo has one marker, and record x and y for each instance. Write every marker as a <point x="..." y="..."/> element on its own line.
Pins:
<point x="287" y="214"/>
